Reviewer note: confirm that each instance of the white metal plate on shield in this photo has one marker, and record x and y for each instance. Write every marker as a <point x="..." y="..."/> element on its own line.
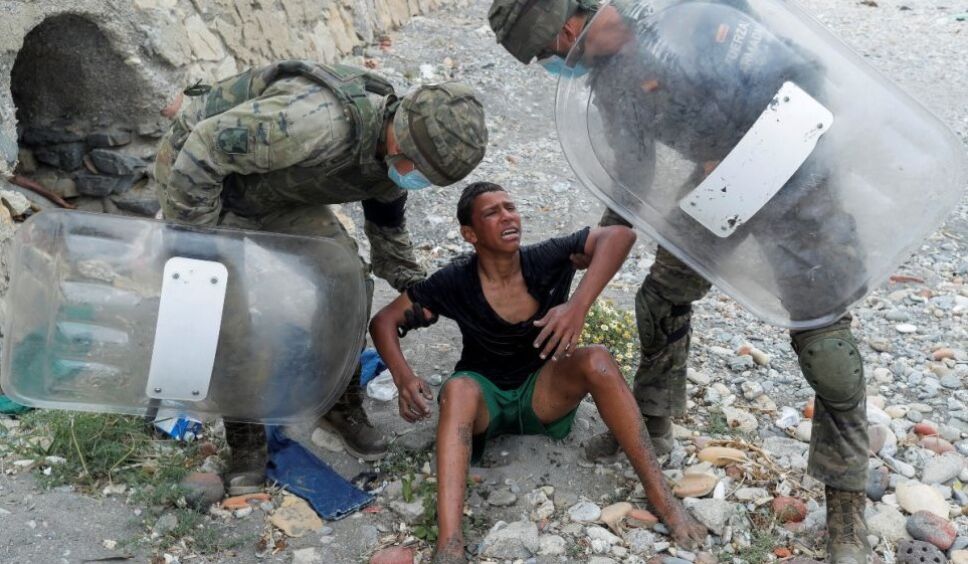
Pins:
<point x="759" y="165"/>
<point x="186" y="337"/>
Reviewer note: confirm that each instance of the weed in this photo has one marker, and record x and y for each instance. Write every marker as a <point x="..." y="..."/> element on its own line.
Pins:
<point x="716" y="423"/>
<point x="615" y="330"/>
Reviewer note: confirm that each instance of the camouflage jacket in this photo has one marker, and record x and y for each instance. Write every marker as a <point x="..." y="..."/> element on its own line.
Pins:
<point x="273" y="138"/>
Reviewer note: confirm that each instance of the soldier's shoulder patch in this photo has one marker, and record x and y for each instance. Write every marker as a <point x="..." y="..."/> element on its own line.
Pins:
<point x="234" y="141"/>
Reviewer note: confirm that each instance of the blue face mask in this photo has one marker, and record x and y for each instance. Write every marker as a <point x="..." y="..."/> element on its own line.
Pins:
<point x="556" y="66"/>
<point x="413" y="180"/>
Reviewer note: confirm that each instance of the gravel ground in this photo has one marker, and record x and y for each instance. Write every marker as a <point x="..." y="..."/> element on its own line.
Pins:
<point x="914" y="376"/>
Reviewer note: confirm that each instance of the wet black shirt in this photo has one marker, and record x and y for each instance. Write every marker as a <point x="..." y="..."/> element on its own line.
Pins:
<point x="501" y="351"/>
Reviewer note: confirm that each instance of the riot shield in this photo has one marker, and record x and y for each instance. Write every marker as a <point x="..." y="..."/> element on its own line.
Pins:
<point x="124" y="315"/>
<point x="756" y="147"/>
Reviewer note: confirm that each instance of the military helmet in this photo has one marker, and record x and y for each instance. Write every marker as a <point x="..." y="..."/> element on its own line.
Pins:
<point x="440" y="127"/>
<point x="526" y="27"/>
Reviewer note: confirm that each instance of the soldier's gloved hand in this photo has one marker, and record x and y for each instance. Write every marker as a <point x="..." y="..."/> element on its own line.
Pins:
<point x="415" y="398"/>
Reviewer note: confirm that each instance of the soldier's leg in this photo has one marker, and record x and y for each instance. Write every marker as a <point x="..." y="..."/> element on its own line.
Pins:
<point x="347" y="417"/>
<point x="839" y="445"/>
<point x="663" y="309"/>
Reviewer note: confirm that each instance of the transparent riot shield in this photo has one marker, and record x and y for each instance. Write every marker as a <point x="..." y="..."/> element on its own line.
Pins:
<point x="124" y="315"/>
<point x="756" y="147"/>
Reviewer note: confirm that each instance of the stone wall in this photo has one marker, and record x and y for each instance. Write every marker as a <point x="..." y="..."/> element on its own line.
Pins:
<point x="117" y="63"/>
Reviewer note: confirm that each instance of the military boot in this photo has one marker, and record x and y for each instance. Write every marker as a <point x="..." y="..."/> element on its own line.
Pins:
<point x="605" y="444"/>
<point x="246" y="471"/>
<point x="348" y="419"/>
<point x="846" y="528"/>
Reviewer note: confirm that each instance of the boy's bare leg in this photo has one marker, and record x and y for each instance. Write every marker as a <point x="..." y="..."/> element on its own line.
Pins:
<point x="463" y="414"/>
<point x="561" y="386"/>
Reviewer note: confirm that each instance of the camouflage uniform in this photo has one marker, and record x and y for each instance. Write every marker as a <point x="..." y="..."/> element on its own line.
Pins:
<point x="828" y="356"/>
<point x="271" y="148"/>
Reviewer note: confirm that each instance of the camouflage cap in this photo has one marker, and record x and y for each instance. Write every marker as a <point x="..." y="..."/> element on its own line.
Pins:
<point x="526" y="27"/>
<point x="441" y="128"/>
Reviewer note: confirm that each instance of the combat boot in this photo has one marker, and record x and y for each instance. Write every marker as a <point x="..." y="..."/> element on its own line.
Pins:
<point x="605" y="444"/>
<point x="246" y="471"/>
<point x="349" y="421"/>
<point x="846" y="528"/>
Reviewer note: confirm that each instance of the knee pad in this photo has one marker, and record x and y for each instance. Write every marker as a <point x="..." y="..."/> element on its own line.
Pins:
<point x="833" y="367"/>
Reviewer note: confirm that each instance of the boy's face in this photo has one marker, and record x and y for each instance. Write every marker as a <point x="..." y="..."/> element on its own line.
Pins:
<point x="495" y="223"/>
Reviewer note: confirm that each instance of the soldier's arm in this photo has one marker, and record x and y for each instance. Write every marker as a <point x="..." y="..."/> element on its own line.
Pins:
<point x="280" y="129"/>
<point x="391" y="250"/>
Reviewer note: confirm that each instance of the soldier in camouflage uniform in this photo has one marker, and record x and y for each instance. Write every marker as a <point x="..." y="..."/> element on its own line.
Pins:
<point x="271" y="148"/>
<point x="829" y="358"/>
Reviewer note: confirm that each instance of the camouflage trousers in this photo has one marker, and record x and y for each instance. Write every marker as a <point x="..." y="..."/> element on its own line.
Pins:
<point x="663" y="308"/>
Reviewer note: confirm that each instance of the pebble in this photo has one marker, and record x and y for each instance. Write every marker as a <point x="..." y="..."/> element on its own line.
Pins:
<point x="906" y="328"/>
<point x="915" y="496"/>
<point x="502" y="498"/>
<point x="877" y="481"/>
<point x="925" y="428"/>
<point x="959" y="557"/>
<point x="943" y="468"/>
<point x="640" y="541"/>
<point x="803" y="431"/>
<point x="713" y="513"/>
<point x="928" y="527"/>
<point x="511" y="540"/>
<point x="741" y="420"/>
<point x="613" y="514"/>
<point x="695" y="485"/>
<point x="551" y="545"/>
<point x="698" y="378"/>
<point x="888" y="523"/>
<point x="202" y="489"/>
<point x="393" y="555"/>
<point x="751" y="494"/>
<point x="789" y="509"/>
<point x="721" y="456"/>
<point x="584" y="512"/>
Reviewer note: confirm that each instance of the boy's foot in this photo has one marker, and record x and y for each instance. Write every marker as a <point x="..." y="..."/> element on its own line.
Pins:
<point x="449" y="552"/>
<point x="686" y="531"/>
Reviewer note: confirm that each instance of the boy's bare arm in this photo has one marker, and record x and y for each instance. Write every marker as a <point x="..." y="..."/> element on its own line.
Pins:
<point x="415" y="394"/>
<point x="606" y="249"/>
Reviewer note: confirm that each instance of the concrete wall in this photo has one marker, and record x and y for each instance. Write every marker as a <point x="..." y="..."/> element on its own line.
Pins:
<point x="157" y="47"/>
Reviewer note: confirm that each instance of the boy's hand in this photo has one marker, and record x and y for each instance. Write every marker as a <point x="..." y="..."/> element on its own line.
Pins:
<point x="415" y="397"/>
<point x="561" y="329"/>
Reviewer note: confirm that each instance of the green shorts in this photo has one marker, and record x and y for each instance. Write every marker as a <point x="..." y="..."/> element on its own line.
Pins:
<point x="510" y="412"/>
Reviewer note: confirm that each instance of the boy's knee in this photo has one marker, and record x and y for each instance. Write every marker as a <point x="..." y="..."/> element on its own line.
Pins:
<point x="596" y="362"/>
<point x="463" y="389"/>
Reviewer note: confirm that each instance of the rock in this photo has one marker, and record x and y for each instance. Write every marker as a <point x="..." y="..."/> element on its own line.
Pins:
<point x="411" y="512"/>
<point x="695" y="485"/>
<point x="326" y="439"/>
<point x="915" y="496"/>
<point x="883" y="375"/>
<point x="243" y="513"/>
<point x="51" y="135"/>
<point x="393" y="555"/>
<point x="760" y="357"/>
<point x="697" y="378"/>
<point x="502" y="498"/>
<point x="614" y="514"/>
<point x="584" y="512"/>
<point x="165" y="524"/>
<point x="740" y="419"/>
<point x="65" y="156"/>
<point x="511" y="541"/>
<point x="551" y="545"/>
<point x="959" y="557"/>
<point x="98" y="185"/>
<point x="951" y="381"/>
<point x="942" y="353"/>
<point x="721" y="456"/>
<point x="751" y="494"/>
<point x="878" y="436"/>
<point x="906" y="328"/>
<point x="295" y="518"/>
<point x="888" y="523"/>
<point x="117" y="164"/>
<point x="901" y="467"/>
<point x="804" y="430"/>
<point x="307" y="556"/>
<point x="943" y="468"/>
<point x="640" y="541"/>
<point x="928" y="527"/>
<point x="880" y="345"/>
<point x="713" y="513"/>
<point x="109" y="138"/>
<point x="877" y="482"/>
<point x="541" y="506"/>
<point x="202" y="489"/>
<point x="876" y="415"/>
<point x="789" y="509"/>
<point x="641" y="518"/>
<point x="141" y="201"/>
<point x="913" y="551"/>
<point x="602" y="536"/>
<point x="925" y="428"/>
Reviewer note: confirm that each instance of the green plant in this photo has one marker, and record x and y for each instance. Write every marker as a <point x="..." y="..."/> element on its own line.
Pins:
<point x="614" y="329"/>
<point x="716" y="423"/>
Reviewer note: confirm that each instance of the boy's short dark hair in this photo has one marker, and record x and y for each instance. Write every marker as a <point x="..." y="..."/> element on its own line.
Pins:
<point x="465" y="205"/>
